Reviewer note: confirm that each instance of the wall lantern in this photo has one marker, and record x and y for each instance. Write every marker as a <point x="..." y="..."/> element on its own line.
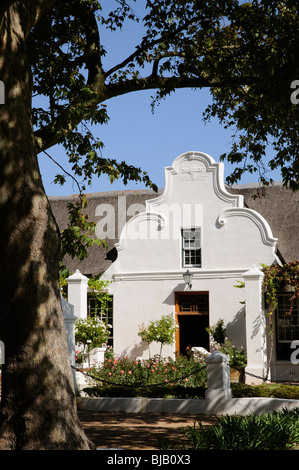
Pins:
<point x="188" y="278"/>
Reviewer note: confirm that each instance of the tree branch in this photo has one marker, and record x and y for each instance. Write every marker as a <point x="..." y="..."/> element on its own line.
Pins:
<point x="68" y="120"/>
<point x="144" y="46"/>
<point x="156" y="82"/>
<point x="33" y="9"/>
<point x="5" y="5"/>
<point x="66" y="172"/>
<point x="93" y="51"/>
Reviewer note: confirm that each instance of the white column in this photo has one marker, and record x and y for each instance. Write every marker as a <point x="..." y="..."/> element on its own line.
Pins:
<point x="77" y="293"/>
<point x="256" y="346"/>
<point x="69" y="321"/>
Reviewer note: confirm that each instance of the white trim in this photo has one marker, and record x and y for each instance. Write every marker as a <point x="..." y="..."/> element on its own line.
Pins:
<point x="134" y="221"/>
<point x="211" y="166"/>
<point x="261" y="223"/>
<point x="178" y="275"/>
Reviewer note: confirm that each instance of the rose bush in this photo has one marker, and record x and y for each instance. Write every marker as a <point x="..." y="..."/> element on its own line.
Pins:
<point x="186" y="371"/>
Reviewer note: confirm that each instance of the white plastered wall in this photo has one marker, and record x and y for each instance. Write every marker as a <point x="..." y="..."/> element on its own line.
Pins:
<point x="148" y="270"/>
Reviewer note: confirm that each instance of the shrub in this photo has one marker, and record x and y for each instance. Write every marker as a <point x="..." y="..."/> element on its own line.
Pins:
<point x="91" y="331"/>
<point x="219" y="341"/>
<point x="269" y="431"/>
<point x="149" y="391"/>
<point x="183" y="371"/>
<point x="161" y="331"/>
<point x="240" y="390"/>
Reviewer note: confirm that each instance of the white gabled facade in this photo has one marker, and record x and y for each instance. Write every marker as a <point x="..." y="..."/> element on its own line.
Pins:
<point x="196" y="224"/>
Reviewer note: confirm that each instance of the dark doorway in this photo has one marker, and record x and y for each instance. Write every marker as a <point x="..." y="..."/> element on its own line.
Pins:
<point x="192" y="315"/>
<point x="192" y="331"/>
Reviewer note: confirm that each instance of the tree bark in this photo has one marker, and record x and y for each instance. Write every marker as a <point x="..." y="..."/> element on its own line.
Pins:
<point x="38" y="405"/>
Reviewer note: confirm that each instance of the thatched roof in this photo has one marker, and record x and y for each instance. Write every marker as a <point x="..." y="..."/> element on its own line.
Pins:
<point x="278" y="205"/>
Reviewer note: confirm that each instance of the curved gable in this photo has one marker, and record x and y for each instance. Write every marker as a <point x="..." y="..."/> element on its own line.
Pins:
<point x="195" y="197"/>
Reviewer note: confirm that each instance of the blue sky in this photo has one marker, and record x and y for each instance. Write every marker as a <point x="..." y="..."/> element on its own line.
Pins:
<point x="141" y="138"/>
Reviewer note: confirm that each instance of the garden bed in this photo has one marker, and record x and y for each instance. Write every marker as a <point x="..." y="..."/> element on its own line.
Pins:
<point x="239" y="390"/>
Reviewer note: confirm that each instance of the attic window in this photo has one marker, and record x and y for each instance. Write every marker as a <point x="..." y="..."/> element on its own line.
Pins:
<point x="191" y="247"/>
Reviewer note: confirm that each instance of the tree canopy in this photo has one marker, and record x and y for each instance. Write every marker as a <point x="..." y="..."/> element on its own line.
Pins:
<point x="244" y="52"/>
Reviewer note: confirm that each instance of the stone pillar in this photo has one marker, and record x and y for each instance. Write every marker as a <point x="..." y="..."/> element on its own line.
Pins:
<point x="256" y="343"/>
<point x="97" y="357"/>
<point x="218" y="390"/>
<point x="77" y="293"/>
<point x="69" y="322"/>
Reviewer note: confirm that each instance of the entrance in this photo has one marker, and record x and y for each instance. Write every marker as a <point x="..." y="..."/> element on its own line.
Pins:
<point x="192" y="316"/>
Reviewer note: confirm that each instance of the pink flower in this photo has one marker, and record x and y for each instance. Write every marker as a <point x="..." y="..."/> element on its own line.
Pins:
<point x="130" y="372"/>
<point x="109" y="373"/>
<point x="187" y="380"/>
<point x="166" y="380"/>
<point x="122" y="371"/>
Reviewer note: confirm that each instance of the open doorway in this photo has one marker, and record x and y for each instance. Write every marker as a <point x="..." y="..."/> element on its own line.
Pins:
<point x="192" y="316"/>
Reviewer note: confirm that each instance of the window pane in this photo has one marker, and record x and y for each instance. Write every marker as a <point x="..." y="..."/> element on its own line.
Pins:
<point x="105" y="314"/>
<point x="191" y="244"/>
<point x="287" y="325"/>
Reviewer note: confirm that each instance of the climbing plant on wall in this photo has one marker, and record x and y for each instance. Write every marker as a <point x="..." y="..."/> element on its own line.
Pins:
<point x="283" y="278"/>
<point x="278" y="279"/>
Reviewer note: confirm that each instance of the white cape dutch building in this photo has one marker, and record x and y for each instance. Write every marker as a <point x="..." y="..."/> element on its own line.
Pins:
<point x="197" y="225"/>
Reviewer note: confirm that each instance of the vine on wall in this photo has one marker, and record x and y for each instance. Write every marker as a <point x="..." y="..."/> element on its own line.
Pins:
<point x="281" y="279"/>
<point x="278" y="279"/>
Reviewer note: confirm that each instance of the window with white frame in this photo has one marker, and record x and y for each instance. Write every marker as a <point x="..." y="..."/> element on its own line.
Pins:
<point x="287" y="325"/>
<point x="105" y="314"/>
<point x="191" y="247"/>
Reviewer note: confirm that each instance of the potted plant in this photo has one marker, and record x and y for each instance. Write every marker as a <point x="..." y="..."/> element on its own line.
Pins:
<point x="238" y="359"/>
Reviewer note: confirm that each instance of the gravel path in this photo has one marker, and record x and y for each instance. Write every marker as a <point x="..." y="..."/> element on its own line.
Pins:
<point x="131" y="431"/>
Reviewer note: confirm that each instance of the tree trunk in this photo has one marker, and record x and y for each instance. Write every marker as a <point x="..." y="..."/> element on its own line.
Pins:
<point x="38" y="405"/>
